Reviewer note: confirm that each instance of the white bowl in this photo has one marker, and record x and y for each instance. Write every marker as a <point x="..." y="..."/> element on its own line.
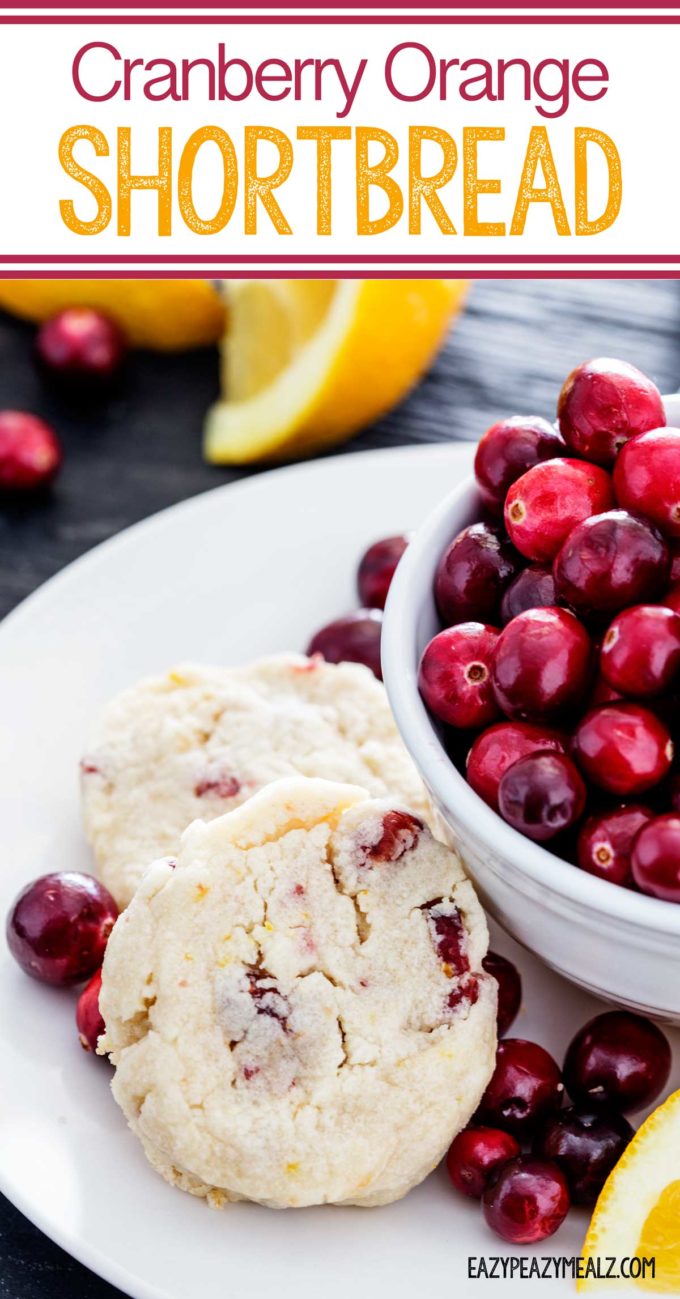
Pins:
<point x="620" y="945"/>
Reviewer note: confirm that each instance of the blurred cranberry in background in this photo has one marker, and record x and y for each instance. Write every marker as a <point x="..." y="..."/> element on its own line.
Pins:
<point x="81" y="349"/>
<point x="30" y="452"/>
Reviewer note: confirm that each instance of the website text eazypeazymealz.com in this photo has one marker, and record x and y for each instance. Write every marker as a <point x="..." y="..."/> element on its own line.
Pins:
<point x="559" y="1267"/>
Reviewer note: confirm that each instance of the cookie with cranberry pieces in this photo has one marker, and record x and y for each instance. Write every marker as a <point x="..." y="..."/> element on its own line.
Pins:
<point x="296" y="1006"/>
<point x="200" y="740"/>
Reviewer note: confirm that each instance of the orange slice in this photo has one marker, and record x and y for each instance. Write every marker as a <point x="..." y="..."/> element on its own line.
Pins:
<point x="638" y="1212"/>
<point x="166" y="315"/>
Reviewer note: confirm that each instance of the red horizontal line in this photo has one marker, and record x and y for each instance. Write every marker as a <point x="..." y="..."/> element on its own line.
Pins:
<point x="412" y="259"/>
<point x="343" y="4"/>
<point x="442" y="5"/>
<point x="557" y="19"/>
<point x="359" y="275"/>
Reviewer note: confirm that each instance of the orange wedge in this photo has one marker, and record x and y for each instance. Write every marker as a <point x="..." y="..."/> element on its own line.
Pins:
<point x="165" y="315"/>
<point x="638" y="1212"/>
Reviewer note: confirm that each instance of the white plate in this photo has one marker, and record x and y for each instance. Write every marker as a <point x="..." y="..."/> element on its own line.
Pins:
<point x="241" y="571"/>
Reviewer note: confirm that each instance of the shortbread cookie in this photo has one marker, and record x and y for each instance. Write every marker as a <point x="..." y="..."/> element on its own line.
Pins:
<point x="296" y="1007"/>
<point x="200" y="740"/>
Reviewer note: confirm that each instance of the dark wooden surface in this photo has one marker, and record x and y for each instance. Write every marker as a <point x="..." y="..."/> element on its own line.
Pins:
<point x="141" y="451"/>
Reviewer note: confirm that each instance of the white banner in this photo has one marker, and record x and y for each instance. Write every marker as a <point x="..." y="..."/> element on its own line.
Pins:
<point x="350" y="141"/>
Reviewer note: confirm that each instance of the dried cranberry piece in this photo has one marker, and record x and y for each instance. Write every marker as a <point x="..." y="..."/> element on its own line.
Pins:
<point x="400" y="833"/>
<point x="220" y="786"/>
<point x="448" y="935"/>
<point x="466" y="992"/>
<point x="268" y="1000"/>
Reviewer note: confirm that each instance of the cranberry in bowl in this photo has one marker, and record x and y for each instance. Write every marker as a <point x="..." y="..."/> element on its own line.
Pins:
<point x="616" y="940"/>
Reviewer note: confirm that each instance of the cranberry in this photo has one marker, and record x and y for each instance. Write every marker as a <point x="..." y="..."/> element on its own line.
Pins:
<point x="586" y="1143"/>
<point x="656" y="857"/>
<point x="352" y="639"/>
<point x="605" y="842"/>
<point x="543" y="506"/>
<point x="508" y="449"/>
<point x="541" y="795"/>
<point x="671" y="600"/>
<point x="219" y="786"/>
<point x="610" y="561"/>
<point x="376" y="570"/>
<point x="623" y="748"/>
<point x="533" y="588"/>
<point x="400" y="833"/>
<point x="604" y="403"/>
<point x="466" y="993"/>
<point x="30" y="452"/>
<point x="509" y="988"/>
<point x="472" y="575"/>
<point x="475" y="1154"/>
<point x="619" y="1059"/>
<point x="454" y="677"/>
<point x="527" y="1200"/>
<point x="526" y="1085"/>
<point x="647" y="478"/>
<point x="89" y="1020"/>
<point x="543" y="664"/>
<point x="449" y="936"/>
<point x="496" y="750"/>
<point x="59" y="926"/>
<point x="640" y="652"/>
<point x="81" y="348"/>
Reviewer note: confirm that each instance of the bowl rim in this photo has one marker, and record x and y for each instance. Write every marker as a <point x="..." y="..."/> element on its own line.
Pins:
<point x="400" y="665"/>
